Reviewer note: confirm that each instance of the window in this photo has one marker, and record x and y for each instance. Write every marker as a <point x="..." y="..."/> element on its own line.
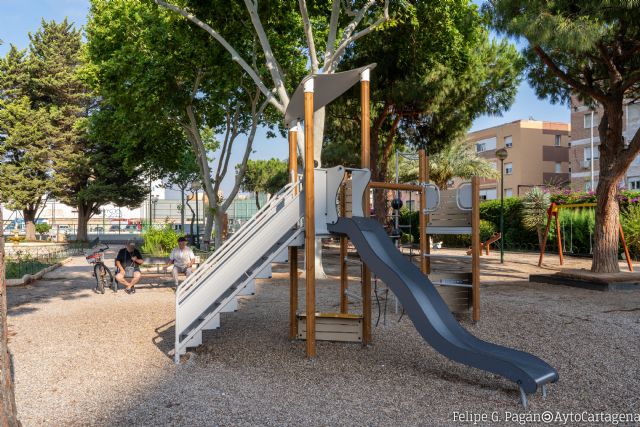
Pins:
<point x="508" y="168"/>
<point x="587" y="185"/>
<point x="508" y="141"/>
<point x="486" y="144"/>
<point x="494" y="165"/>
<point x="488" y="194"/>
<point x="633" y="183"/>
<point x="587" y="120"/>
<point x="557" y="141"/>
<point x="558" y="167"/>
<point x="508" y="192"/>
<point x="587" y="153"/>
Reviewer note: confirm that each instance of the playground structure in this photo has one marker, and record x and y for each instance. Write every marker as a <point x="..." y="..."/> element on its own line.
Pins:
<point x="295" y="217"/>
<point x="553" y="212"/>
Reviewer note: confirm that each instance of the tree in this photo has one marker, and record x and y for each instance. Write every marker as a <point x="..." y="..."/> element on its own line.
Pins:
<point x="534" y="211"/>
<point x="589" y="49"/>
<point x="265" y="176"/>
<point x="168" y="83"/>
<point x="456" y="160"/>
<point x="428" y="89"/>
<point x="25" y="146"/>
<point x="183" y="178"/>
<point x="8" y="415"/>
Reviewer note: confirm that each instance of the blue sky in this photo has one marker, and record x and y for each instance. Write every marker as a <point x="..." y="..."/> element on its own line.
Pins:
<point x="19" y="17"/>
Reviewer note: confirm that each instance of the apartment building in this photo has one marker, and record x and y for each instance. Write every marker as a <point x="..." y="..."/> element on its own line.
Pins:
<point x="538" y="155"/>
<point x="584" y="135"/>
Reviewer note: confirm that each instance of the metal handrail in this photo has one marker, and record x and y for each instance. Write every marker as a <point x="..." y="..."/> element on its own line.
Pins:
<point x="237" y="238"/>
<point x="185" y="293"/>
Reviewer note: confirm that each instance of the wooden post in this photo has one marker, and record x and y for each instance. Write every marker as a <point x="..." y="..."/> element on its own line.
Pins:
<point x="293" y="250"/>
<point x="475" y="247"/>
<point x="344" y="272"/>
<point x="309" y="219"/>
<point x="424" y="250"/>
<point x="559" y="237"/>
<point x="365" y="163"/>
<point x="546" y="234"/>
<point x="626" y="249"/>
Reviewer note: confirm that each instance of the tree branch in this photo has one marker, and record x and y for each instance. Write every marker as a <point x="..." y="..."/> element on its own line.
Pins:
<point x="333" y="30"/>
<point x="349" y="37"/>
<point x="308" y="32"/>
<point x="596" y="94"/>
<point x="235" y="56"/>
<point x="272" y="63"/>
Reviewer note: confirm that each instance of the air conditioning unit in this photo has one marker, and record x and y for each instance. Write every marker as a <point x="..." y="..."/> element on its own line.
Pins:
<point x="586" y="164"/>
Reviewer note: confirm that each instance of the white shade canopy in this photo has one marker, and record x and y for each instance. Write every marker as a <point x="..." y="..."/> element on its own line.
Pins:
<point x="327" y="87"/>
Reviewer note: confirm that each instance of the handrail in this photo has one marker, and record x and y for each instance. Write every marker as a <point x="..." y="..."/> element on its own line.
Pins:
<point x="186" y="293"/>
<point x="239" y="237"/>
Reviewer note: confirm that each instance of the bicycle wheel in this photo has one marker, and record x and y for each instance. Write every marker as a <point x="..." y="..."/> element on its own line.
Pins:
<point x="113" y="283"/>
<point x="99" y="272"/>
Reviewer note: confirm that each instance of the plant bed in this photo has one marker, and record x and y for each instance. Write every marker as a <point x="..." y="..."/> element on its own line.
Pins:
<point x="581" y="278"/>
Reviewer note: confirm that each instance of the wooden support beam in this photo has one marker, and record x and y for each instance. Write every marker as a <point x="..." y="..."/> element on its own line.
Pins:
<point x="395" y="186"/>
<point x="546" y="234"/>
<point x="626" y="249"/>
<point x="365" y="163"/>
<point x="309" y="220"/>
<point x="293" y="250"/>
<point x="475" y="248"/>
<point x="559" y="234"/>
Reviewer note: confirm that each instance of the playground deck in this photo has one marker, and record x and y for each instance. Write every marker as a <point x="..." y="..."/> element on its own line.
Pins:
<point x="87" y="359"/>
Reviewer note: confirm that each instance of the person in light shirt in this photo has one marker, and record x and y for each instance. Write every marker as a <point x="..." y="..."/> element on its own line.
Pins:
<point x="182" y="259"/>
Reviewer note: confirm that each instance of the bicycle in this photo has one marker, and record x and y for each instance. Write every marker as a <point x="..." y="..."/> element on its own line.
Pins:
<point x="101" y="272"/>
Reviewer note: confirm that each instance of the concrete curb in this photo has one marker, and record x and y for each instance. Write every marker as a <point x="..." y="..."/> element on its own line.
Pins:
<point x="28" y="278"/>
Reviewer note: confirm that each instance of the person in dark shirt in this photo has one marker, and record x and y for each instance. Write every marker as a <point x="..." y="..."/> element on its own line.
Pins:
<point x="129" y="257"/>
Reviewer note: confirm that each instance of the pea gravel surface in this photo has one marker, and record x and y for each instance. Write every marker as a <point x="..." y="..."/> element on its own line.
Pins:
<point x="82" y="358"/>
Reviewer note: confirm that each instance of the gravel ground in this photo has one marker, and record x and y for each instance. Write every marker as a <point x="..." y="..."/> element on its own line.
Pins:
<point x="87" y="359"/>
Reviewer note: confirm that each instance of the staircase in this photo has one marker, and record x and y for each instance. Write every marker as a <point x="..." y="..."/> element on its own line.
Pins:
<point x="231" y="270"/>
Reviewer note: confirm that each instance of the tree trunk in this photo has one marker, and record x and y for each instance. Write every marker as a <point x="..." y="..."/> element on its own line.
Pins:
<point x="605" y="250"/>
<point x="211" y="207"/>
<point x="219" y="224"/>
<point x="30" y="223"/>
<point x="257" y="200"/>
<point x="9" y="415"/>
<point x="193" y="219"/>
<point x="613" y="165"/>
<point x="84" y="215"/>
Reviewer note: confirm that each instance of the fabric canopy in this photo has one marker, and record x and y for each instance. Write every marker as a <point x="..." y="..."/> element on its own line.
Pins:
<point x="327" y="87"/>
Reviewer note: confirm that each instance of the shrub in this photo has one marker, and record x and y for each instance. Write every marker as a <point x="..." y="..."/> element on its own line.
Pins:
<point x="630" y="220"/>
<point x="534" y="212"/>
<point x="159" y="241"/>
<point x="43" y="228"/>
<point x="487" y="229"/>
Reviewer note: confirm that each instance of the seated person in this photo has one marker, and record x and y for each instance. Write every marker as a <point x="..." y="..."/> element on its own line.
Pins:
<point x="129" y="257"/>
<point x="182" y="259"/>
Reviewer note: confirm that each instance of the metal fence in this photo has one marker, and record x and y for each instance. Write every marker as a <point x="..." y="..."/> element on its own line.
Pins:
<point x="23" y="260"/>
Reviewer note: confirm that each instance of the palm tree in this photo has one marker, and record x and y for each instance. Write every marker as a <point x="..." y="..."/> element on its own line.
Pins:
<point x="457" y="160"/>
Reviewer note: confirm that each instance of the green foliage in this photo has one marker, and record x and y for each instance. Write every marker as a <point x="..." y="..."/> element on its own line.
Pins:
<point x="160" y="241"/>
<point x="631" y="227"/>
<point x="487" y="230"/>
<point x="267" y="176"/>
<point x="429" y="85"/>
<point x="456" y="160"/>
<point x="43" y="228"/>
<point x="513" y="230"/>
<point x="577" y="227"/>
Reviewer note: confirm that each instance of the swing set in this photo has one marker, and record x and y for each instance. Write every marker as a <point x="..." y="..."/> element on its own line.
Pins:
<point x="553" y="212"/>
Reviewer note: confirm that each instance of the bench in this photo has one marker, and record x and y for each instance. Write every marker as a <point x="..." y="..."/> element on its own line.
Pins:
<point x="150" y="262"/>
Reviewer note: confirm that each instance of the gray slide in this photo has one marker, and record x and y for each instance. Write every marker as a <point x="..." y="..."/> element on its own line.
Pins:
<point x="430" y="314"/>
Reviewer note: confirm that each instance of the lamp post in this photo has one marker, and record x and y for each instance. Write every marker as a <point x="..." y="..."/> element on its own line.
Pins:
<point x="154" y="201"/>
<point x="195" y="186"/>
<point x="502" y="155"/>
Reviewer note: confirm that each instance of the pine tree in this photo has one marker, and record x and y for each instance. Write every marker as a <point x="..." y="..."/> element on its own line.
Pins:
<point x="591" y="50"/>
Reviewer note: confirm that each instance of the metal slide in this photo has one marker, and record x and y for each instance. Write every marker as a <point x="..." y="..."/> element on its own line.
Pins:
<point x="432" y="317"/>
<point x="214" y="286"/>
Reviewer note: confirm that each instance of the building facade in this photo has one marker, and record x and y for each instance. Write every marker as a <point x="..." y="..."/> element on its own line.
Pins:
<point x="584" y="136"/>
<point x="538" y="155"/>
